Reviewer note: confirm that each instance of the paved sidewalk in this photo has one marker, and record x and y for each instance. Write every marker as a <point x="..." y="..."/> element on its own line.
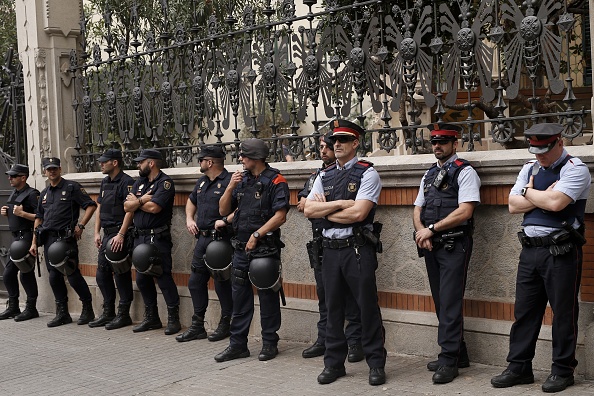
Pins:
<point x="78" y="360"/>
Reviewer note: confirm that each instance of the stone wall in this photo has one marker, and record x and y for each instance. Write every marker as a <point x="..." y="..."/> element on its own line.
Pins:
<point x="404" y="289"/>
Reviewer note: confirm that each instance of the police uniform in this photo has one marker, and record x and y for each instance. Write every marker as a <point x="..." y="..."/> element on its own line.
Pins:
<point x="256" y="200"/>
<point x="550" y="264"/>
<point x="112" y="195"/>
<point x="59" y="208"/>
<point x="21" y="228"/>
<point x="349" y="264"/>
<point x="352" y="315"/>
<point x="156" y="229"/>
<point x="447" y="263"/>
<point x="205" y="197"/>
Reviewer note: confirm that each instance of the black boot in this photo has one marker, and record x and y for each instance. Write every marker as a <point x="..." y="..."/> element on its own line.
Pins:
<point x="173" y="325"/>
<point x="223" y="329"/>
<point x="106" y="317"/>
<point x="62" y="315"/>
<point x="30" y="311"/>
<point x="12" y="309"/>
<point x="151" y="320"/>
<point x="86" y="314"/>
<point x="122" y="319"/>
<point x="195" y="331"/>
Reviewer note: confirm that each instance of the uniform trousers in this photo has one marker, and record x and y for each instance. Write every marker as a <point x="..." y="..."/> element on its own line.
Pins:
<point x="146" y="283"/>
<point x="543" y="277"/>
<point x="243" y="308"/>
<point x="343" y="271"/>
<point x="447" y="279"/>
<point x="352" y="330"/>
<point x="56" y="278"/>
<point x="106" y="276"/>
<point x="198" y="283"/>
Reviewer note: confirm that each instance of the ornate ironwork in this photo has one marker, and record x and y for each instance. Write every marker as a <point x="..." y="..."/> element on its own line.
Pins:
<point x="13" y="140"/>
<point x="281" y="71"/>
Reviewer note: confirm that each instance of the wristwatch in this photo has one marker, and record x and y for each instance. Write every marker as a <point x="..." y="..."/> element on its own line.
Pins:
<point x="225" y="220"/>
<point x="256" y="235"/>
<point x="431" y="228"/>
<point x="81" y="226"/>
<point x="523" y="191"/>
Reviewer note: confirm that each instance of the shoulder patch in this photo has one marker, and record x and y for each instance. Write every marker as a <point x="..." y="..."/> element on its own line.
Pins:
<point x="365" y="163"/>
<point x="82" y="190"/>
<point x="167" y="185"/>
<point x="279" y="179"/>
<point x="458" y="162"/>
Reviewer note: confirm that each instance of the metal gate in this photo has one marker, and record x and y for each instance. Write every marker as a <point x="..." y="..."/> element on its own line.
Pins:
<point x="171" y="83"/>
<point x="13" y="139"/>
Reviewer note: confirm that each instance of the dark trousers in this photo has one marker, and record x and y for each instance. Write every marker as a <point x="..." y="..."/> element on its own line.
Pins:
<point x="198" y="283"/>
<point x="343" y="271"/>
<point x="10" y="278"/>
<point x="447" y="278"/>
<point x="351" y="312"/>
<point x="243" y="308"/>
<point x="105" y="277"/>
<point x="543" y="277"/>
<point x="76" y="280"/>
<point x="146" y="283"/>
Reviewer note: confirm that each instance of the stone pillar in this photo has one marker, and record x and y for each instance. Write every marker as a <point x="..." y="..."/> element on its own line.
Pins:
<point x="47" y="31"/>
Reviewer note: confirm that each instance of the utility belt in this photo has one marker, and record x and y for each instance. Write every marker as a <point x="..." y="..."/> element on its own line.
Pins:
<point x="339" y="243"/>
<point x="151" y="231"/>
<point x="207" y="233"/>
<point x="21" y="233"/>
<point x="111" y="230"/>
<point x="559" y="242"/>
<point x="43" y="235"/>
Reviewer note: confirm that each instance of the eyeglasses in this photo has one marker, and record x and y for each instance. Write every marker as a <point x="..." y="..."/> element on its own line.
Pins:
<point x="343" y="139"/>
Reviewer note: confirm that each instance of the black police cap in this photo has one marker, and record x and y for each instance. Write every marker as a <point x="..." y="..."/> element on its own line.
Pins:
<point x="50" y="162"/>
<point x="148" y="154"/>
<point x="18" y="170"/>
<point x="444" y="131"/>
<point x="327" y="138"/>
<point x="110" y="154"/>
<point x="346" y="128"/>
<point x="212" y="152"/>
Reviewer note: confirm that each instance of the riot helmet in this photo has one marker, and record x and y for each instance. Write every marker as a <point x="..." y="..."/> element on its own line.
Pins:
<point x="20" y="256"/>
<point x="59" y="256"/>
<point x="120" y="261"/>
<point x="147" y="260"/>
<point x="218" y="258"/>
<point x="265" y="273"/>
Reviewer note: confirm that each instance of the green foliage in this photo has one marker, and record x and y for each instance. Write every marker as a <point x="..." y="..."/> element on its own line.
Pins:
<point x="8" y="34"/>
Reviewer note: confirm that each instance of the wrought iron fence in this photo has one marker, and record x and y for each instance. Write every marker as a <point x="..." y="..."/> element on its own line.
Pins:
<point x="175" y="86"/>
<point x="13" y="139"/>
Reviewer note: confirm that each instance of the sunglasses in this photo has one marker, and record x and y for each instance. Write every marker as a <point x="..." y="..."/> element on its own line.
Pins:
<point x="343" y="139"/>
<point x="14" y="176"/>
<point x="440" y="142"/>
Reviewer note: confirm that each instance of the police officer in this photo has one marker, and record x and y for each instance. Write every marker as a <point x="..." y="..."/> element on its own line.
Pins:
<point x="344" y="197"/>
<point x="151" y="200"/>
<point x="56" y="220"/>
<point x="20" y="210"/>
<point x="204" y="222"/>
<point x="551" y="192"/>
<point x="443" y="222"/>
<point x="115" y="223"/>
<point x="259" y="198"/>
<point x="353" y="328"/>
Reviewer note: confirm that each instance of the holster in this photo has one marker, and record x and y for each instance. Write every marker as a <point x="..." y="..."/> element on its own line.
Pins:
<point x="371" y="236"/>
<point x="314" y="251"/>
